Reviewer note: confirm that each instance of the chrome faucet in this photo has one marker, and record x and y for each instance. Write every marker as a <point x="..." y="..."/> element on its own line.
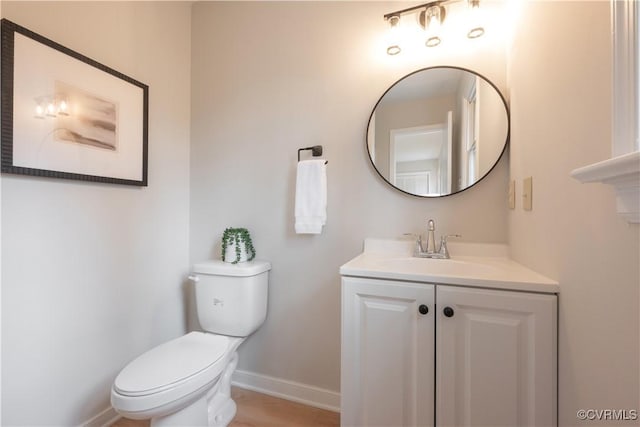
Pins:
<point x="430" y="251"/>
<point x="431" y="239"/>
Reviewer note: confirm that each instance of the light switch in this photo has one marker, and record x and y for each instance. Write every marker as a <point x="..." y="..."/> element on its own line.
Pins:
<point x="527" y="194"/>
<point x="512" y="194"/>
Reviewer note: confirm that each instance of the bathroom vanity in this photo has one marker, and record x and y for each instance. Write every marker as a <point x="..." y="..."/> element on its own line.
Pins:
<point x="469" y="340"/>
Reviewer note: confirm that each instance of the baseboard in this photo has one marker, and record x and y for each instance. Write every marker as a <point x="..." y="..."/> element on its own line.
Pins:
<point x="277" y="387"/>
<point x="103" y="419"/>
<point x="289" y="390"/>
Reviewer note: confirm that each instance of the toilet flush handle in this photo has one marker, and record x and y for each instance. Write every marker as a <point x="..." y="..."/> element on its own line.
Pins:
<point x="193" y="278"/>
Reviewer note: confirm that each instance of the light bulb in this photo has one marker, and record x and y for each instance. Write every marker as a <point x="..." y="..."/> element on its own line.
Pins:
<point x="476" y="28"/>
<point x="39" y="111"/>
<point x="62" y="108"/>
<point x="433" y="21"/>
<point x="433" y="41"/>
<point x="394" y="35"/>
<point x="51" y="109"/>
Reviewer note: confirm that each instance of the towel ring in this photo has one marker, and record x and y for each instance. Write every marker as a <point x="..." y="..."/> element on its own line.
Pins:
<point x="316" y="151"/>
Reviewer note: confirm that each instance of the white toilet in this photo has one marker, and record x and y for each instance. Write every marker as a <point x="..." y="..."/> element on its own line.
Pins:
<point x="187" y="381"/>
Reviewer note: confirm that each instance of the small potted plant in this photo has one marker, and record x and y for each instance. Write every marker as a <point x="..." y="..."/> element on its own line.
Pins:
<point x="237" y="246"/>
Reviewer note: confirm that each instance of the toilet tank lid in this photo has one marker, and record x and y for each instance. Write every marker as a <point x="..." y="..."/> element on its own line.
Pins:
<point x="242" y="269"/>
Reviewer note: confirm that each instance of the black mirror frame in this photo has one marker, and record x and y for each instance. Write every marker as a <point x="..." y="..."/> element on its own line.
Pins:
<point x="504" y="148"/>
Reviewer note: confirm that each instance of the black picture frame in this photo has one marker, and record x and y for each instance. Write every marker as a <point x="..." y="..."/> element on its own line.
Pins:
<point x="65" y="115"/>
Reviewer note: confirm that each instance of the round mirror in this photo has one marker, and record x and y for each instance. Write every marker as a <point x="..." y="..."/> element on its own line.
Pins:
<point x="438" y="131"/>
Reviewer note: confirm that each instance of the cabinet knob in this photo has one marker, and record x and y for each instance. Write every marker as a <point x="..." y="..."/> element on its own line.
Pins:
<point x="423" y="309"/>
<point x="448" y="311"/>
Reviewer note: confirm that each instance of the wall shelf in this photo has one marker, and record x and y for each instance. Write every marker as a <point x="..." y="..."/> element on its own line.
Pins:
<point x="621" y="172"/>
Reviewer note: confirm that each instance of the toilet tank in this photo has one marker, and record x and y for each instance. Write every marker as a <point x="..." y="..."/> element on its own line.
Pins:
<point x="231" y="299"/>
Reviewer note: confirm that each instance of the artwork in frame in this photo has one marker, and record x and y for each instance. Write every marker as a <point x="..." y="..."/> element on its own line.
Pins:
<point x="64" y="115"/>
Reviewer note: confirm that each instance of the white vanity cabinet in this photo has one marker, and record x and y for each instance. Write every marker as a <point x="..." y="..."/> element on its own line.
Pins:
<point x="495" y="357"/>
<point x="476" y="357"/>
<point x="387" y="375"/>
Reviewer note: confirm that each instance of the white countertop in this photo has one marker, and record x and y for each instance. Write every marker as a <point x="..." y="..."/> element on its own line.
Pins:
<point x="471" y="264"/>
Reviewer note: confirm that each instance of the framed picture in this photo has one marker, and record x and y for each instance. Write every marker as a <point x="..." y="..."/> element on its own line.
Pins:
<point x="64" y="115"/>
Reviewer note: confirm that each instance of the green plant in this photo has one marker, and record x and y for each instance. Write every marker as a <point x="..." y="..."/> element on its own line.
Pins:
<point x="237" y="237"/>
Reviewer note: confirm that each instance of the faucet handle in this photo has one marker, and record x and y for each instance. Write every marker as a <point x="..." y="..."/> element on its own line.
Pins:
<point x="418" y="240"/>
<point x="444" y="251"/>
<point x="446" y="236"/>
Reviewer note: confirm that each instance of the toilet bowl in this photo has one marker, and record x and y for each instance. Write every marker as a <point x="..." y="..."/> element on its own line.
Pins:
<point x="187" y="381"/>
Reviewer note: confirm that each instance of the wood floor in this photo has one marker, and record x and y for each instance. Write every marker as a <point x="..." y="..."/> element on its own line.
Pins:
<point x="260" y="410"/>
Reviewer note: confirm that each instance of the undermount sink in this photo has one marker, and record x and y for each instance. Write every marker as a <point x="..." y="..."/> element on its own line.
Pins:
<point x="457" y="267"/>
<point x="471" y="264"/>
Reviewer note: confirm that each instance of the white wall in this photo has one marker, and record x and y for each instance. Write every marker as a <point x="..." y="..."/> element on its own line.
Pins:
<point x="92" y="273"/>
<point x="560" y="91"/>
<point x="269" y="78"/>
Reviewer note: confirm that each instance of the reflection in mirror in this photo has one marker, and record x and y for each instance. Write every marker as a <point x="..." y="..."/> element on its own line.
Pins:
<point x="438" y="131"/>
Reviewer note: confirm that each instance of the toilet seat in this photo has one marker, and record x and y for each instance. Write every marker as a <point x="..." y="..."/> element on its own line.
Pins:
<point x="171" y="373"/>
<point x="171" y="364"/>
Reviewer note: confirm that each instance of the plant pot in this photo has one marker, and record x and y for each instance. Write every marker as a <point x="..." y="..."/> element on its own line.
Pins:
<point x="237" y="246"/>
<point x="230" y="254"/>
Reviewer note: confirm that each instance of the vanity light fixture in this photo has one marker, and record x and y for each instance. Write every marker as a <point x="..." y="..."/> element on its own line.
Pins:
<point x="51" y="106"/>
<point x="431" y="17"/>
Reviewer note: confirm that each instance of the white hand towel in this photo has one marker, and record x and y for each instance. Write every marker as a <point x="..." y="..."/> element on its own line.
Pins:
<point x="311" y="196"/>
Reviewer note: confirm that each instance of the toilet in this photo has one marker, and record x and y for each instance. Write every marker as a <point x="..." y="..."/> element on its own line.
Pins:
<point x="187" y="381"/>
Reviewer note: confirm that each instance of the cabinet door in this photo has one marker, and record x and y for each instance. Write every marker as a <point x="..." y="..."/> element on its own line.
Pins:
<point x="495" y="358"/>
<point x="387" y="371"/>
